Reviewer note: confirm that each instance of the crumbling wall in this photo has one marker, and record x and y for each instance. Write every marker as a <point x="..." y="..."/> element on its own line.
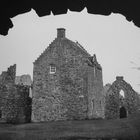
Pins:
<point x="114" y="101"/>
<point x="15" y="103"/>
<point x="8" y="77"/>
<point x="7" y="80"/>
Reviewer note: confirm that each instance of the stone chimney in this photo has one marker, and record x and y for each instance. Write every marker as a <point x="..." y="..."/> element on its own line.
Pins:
<point x="60" y="33"/>
<point x="119" y="77"/>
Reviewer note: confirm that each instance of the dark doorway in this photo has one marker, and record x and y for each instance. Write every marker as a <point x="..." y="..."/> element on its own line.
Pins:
<point x="123" y="113"/>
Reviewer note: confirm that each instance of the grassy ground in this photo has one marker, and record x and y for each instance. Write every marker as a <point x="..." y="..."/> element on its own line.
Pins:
<point x="128" y="128"/>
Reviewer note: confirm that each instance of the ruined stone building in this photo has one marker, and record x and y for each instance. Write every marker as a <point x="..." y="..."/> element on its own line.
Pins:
<point x="67" y="85"/>
<point x="67" y="82"/>
<point x="121" y="99"/>
<point x="15" y="103"/>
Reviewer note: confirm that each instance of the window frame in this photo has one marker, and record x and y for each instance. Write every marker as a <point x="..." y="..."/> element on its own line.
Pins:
<point x="52" y="69"/>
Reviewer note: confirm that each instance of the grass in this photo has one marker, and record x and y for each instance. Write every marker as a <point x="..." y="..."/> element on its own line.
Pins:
<point x="124" y="129"/>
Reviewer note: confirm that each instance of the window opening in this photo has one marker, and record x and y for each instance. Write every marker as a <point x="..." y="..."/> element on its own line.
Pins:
<point x="52" y="69"/>
<point x="122" y="93"/>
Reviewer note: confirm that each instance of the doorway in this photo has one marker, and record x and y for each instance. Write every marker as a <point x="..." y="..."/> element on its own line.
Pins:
<point x="123" y="112"/>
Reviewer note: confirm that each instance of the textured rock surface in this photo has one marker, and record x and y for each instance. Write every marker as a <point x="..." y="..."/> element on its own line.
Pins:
<point x="114" y="101"/>
<point x="68" y="93"/>
<point x="15" y="103"/>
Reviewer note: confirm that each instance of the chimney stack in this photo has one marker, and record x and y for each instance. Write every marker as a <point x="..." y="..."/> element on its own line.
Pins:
<point x="60" y="33"/>
<point x="119" y="77"/>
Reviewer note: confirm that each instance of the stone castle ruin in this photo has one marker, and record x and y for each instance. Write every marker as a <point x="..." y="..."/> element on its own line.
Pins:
<point x="67" y="85"/>
<point x="15" y="103"/>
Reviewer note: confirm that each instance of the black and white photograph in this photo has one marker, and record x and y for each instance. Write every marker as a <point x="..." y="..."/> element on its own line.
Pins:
<point x="70" y="70"/>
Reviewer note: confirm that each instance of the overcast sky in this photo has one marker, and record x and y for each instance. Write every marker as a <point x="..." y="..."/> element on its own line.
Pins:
<point x="114" y="40"/>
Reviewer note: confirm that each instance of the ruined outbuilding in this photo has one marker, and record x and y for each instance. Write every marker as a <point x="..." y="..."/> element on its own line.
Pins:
<point x="15" y="103"/>
<point x="121" y="100"/>
<point x="67" y="82"/>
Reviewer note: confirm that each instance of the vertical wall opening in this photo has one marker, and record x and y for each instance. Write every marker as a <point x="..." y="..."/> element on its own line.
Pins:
<point x="93" y="105"/>
<point x="122" y="94"/>
<point x="123" y="112"/>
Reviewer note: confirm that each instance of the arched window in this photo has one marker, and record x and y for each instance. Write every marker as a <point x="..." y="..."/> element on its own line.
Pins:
<point x="122" y="93"/>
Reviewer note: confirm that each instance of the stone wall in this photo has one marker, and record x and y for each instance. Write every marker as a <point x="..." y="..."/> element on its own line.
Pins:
<point x="15" y="103"/>
<point x="95" y="91"/>
<point x="53" y="94"/>
<point x="73" y="82"/>
<point x="114" y="101"/>
<point x="64" y="95"/>
<point x="8" y="77"/>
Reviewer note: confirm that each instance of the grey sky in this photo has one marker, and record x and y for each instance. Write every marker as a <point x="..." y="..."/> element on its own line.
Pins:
<point x="114" y="40"/>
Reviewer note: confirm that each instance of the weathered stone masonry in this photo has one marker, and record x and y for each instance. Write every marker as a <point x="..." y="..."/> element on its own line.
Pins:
<point x="67" y="85"/>
<point x="69" y="92"/>
<point x="114" y="101"/>
<point x="15" y="104"/>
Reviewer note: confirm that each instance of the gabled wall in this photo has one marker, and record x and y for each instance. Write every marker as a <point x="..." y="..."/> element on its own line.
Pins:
<point x="114" y="102"/>
<point x="65" y="94"/>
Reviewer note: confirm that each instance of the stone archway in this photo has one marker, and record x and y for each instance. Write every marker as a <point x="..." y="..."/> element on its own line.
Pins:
<point x="114" y="99"/>
<point x="123" y="112"/>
